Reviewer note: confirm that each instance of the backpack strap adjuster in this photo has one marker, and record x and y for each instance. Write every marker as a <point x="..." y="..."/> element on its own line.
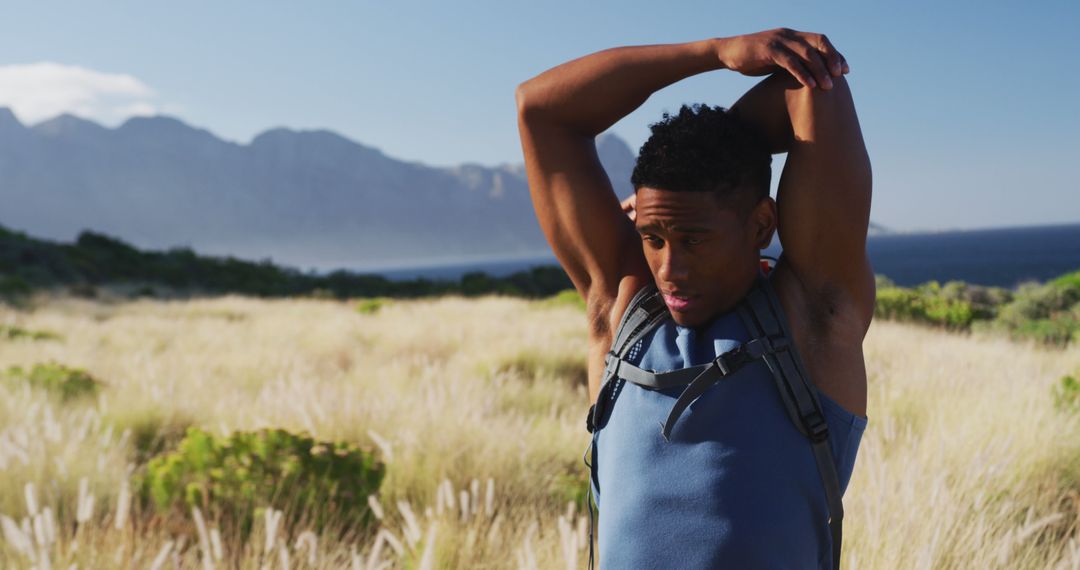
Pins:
<point x="816" y="427"/>
<point x="766" y="344"/>
<point x="611" y="366"/>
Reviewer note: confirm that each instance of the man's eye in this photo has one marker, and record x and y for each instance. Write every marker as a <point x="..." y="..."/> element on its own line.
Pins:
<point x="653" y="240"/>
<point x="693" y="241"/>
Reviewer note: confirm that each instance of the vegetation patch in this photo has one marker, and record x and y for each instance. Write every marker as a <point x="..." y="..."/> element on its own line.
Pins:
<point x="66" y="382"/>
<point x="954" y="305"/>
<point x="1046" y="312"/>
<point x="571" y="485"/>
<point x="154" y="434"/>
<point x="371" y="306"/>
<point x="1049" y="313"/>
<point x="564" y="298"/>
<point x="235" y="478"/>
<point x="531" y="364"/>
<point x="12" y="332"/>
<point x="1067" y="394"/>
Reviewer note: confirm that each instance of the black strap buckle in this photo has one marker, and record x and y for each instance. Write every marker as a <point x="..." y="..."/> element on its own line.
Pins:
<point x="816" y="427"/>
<point x="732" y="360"/>
<point x="766" y="344"/>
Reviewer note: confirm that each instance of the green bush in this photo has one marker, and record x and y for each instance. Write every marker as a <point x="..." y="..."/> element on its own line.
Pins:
<point x="1068" y="280"/>
<point x="234" y="479"/>
<point x="154" y="432"/>
<point x="570" y="484"/>
<point x="533" y="364"/>
<point x="1048" y="313"/>
<point x="883" y="282"/>
<point x="13" y="332"/>
<point x="954" y="305"/>
<point x="68" y="383"/>
<point x="953" y="314"/>
<point x="372" y="305"/>
<point x="565" y="298"/>
<point x="1067" y="394"/>
<point x="1038" y="301"/>
<point x="899" y="304"/>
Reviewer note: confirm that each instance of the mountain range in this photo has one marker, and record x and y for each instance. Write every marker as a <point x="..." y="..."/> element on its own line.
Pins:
<point x="304" y="198"/>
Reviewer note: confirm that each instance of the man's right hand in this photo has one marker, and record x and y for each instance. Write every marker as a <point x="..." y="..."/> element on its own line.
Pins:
<point x="809" y="57"/>
<point x="629" y="206"/>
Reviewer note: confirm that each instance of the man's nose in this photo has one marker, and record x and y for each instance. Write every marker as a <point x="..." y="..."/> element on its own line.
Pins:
<point x="673" y="268"/>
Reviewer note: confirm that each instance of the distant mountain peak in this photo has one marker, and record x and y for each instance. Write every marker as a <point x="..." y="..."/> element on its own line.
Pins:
<point x="315" y="138"/>
<point x="67" y="124"/>
<point x="160" y="124"/>
<point x="611" y="143"/>
<point x="8" y="119"/>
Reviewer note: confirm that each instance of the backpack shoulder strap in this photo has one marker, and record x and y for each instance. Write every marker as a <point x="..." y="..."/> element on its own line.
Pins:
<point x="644" y="313"/>
<point x="765" y="318"/>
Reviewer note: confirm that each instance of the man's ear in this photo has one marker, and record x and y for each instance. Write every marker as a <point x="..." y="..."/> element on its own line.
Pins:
<point x="762" y="222"/>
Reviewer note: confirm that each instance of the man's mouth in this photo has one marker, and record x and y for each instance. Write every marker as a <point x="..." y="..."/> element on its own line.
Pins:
<point x="679" y="302"/>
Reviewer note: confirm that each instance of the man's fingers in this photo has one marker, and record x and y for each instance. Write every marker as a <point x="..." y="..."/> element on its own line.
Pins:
<point x="812" y="59"/>
<point x="832" y="56"/>
<point x="794" y="64"/>
<point x="628" y="207"/>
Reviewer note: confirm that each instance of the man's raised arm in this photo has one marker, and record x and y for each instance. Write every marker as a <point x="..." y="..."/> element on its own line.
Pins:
<point x="560" y="112"/>
<point x="823" y="199"/>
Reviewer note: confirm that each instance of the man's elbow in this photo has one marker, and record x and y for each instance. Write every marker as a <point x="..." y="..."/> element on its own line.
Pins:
<point x="525" y="99"/>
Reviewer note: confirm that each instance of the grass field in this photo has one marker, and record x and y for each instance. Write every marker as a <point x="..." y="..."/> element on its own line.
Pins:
<point x="477" y="407"/>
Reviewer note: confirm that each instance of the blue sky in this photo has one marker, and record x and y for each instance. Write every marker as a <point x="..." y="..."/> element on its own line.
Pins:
<point x="968" y="109"/>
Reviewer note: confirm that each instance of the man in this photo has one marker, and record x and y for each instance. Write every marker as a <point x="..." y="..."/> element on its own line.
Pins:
<point x="723" y="493"/>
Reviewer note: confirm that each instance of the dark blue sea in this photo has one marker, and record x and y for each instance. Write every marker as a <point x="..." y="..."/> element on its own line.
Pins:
<point x="1002" y="257"/>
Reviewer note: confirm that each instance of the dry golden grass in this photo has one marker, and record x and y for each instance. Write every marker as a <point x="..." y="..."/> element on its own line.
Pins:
<point x="478" y="407"/>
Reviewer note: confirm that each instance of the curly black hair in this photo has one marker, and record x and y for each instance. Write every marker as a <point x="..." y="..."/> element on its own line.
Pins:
<point x="706" y="149"/>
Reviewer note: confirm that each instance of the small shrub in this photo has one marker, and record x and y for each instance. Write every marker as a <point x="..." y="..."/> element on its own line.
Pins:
<point x="1068" y="280"/>
<point x="531" y="364"/>
<point x="956" y="305"/>
<point x="571" y="486"/>
<point x="1035" y="301"/>
<point x="234" y="478"/>
<point x="565" y="298"/>
<point x="1067" y="394"/>
<point x="952" y="314"/>
<point x="322" y="293"/>
<point x="68" y="383"/>
<point x="13" y="332"/>
<point x="1055" y="331"/>
<point x="372" y="305"/>
<point x="1048" y="313"/>
<point x="154" y="434"/>
<point x="899" y="304"/>
<point x="883" y="282"/>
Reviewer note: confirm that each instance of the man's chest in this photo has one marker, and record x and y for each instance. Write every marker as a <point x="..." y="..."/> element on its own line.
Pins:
<point x="824" y="335"/>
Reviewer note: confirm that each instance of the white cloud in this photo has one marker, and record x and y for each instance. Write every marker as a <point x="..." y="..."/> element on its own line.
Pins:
<point x="39" y="91"/>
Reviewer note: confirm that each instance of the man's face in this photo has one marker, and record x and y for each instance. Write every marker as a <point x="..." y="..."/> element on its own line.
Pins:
<point x="702" y="256"/>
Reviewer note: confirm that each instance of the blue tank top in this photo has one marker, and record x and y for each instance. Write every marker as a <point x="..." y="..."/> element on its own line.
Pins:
<point x="736" y="487"/>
